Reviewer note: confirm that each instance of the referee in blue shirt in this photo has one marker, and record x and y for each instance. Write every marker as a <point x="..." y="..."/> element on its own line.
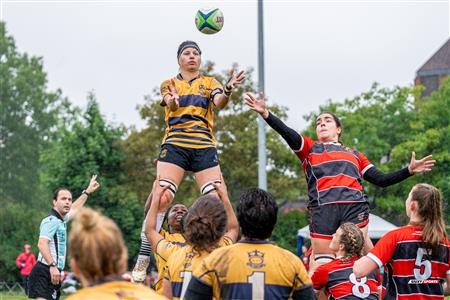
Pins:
<point x="45" y="277"/>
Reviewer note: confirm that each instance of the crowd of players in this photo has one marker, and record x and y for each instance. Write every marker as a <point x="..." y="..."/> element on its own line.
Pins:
<point x="199" y="256"/>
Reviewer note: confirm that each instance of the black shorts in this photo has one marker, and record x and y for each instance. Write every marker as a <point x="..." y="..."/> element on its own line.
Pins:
<point x="324" y="220"/>
<point x="189" y="159"/>
<point x="40" y="285"/>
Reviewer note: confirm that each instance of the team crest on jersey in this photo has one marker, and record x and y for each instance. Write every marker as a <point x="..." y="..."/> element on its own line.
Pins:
<point x="163" y="153"/>
<point x="188" y="259"/>
<point x="255" y="259"/>
<point x="202" y="90"/>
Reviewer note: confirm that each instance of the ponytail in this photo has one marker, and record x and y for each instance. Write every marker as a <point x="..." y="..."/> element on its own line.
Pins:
<point x="429" y="201"/>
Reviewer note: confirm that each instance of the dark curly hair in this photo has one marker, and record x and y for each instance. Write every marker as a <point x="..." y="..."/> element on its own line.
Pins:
<point x="205" y="223"/>
<point x="257" y="214"/>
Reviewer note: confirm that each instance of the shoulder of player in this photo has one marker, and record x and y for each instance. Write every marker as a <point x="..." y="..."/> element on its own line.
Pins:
<point x="401" y="233"/>
<point x="287" y="255"/>
<point x="51" y="219"/>
<point x="209" y="79"/>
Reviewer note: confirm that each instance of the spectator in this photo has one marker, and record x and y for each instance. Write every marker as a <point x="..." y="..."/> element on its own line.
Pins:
<point x="25" y="261"/>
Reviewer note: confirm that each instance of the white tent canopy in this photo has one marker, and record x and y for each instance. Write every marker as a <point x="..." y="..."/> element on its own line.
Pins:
<point x="377" y="228"/>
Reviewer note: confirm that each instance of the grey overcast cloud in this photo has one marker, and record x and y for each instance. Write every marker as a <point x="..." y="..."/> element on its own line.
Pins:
<point x="314" y="50"/>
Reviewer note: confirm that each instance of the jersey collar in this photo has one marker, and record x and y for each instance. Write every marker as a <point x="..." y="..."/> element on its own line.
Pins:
<point x="180" y="77"/>
<point x="53" y="212"/>
<point x="106" y="280"/>
<point x="254" y="242"/>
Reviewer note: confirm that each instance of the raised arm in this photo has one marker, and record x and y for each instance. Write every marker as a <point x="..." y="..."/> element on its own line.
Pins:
<point x="233" y="225"/>
<point x="151" y="231"/>
<point x="292" y="137"/>
<point x="375" y="176"/>
<point x="221" y="100"/>
<point x="79" y="203"/>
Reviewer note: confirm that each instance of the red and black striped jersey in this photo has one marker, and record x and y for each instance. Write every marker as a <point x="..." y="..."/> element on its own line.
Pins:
<point x="340" y="283"/>
<point x="333" y="172"/>
<point x="413" y="271"/>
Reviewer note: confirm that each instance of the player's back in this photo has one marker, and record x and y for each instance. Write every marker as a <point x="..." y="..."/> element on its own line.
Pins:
<point x="411" y="271"/>
<point x="253" y="269"/>
<point x="340" y="282"/>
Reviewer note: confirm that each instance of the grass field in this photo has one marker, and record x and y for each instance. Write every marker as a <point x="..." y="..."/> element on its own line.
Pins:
<point x="17" y="296"/>
<point x="9" y="296"/>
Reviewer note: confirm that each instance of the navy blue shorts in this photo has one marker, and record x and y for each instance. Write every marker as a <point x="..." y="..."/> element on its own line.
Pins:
<point x="189" y="159"/>
<point x="324" y="220"/>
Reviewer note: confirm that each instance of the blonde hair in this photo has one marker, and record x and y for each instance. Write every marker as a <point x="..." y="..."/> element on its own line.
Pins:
<point x="97" y="246"/>
<point x="429" y="201"/>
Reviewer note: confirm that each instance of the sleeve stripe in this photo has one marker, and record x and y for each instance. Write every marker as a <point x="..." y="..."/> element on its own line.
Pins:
<point x="375" y="259"/>
<point x="366" y="168"/>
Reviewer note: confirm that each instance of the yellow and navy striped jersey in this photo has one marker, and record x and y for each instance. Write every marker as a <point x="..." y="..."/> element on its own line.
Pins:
<point x="252" y="270"/>
<point x="164" y="248"/>
<point x="191" y="125"/>
<point x="180" y="265"/>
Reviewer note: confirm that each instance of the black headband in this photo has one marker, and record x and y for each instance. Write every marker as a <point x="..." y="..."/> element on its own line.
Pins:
<point x="187" y="44"/>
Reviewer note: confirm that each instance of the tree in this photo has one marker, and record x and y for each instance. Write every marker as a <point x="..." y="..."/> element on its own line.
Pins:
<point x="28" y="118"/>
<point x="28" y="121"/>
<point x="92" y="146"/>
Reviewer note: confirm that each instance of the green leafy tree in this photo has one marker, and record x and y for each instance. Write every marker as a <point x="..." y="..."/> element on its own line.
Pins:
<point x="28" y="117"/>
<point x="28" y="121"/>
<point x="285" y="232"/>
<point x="429" y="134"/>
<point x="92" y="146"/>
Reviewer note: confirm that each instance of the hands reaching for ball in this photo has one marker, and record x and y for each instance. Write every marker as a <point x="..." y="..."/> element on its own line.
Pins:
<point x="258" y="105"/>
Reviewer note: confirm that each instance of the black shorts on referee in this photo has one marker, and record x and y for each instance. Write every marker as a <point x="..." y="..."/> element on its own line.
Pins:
<point x="40" y="284"/>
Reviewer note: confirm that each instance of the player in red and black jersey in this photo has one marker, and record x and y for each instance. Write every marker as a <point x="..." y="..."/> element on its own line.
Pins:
<point x="416" y="256"/>
<point x="337" y="278"/>
<point x="334" y="174"/>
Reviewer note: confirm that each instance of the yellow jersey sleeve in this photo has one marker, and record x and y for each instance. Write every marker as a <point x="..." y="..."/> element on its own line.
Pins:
<point x="301" y="278"/>
<point x="164" y="89"/>
<point x="216" y="88"/>
<point x="165" y="248"/>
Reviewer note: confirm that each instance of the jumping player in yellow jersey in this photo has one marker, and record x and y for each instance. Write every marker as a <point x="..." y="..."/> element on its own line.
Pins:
<point x="253" y="268"/>
<point x="189" y="143"/>
<point x="207" y="207"/>
<point x="204" y="229"/>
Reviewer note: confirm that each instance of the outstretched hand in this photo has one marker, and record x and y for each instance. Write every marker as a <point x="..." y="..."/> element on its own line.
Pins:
<point x="172" y="98"/>
<point x="423" y="165"/>
<point x="258" y="105"/>
<point x="234" y="80"/>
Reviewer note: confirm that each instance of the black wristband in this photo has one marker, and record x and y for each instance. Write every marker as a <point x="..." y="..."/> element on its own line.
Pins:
<point x="86" y="193"/>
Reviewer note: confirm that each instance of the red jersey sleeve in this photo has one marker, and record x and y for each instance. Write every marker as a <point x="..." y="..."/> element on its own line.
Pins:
<point x="364" y="163"/>
<point x="320" y="278"/>
<point x="384" y="249"/>
<point x="306" y="147"/>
